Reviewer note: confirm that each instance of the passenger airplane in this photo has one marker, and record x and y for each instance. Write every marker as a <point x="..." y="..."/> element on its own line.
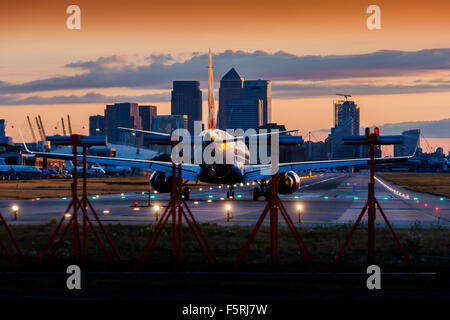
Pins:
<point x="240" y="170"/>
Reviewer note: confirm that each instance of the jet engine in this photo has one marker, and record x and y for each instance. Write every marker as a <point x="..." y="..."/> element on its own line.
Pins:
<point x="288" y="182"/>
<point x="160" y="182"/>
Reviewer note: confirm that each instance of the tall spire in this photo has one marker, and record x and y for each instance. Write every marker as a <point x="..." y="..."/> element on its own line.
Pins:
<point x="211" y="105"/>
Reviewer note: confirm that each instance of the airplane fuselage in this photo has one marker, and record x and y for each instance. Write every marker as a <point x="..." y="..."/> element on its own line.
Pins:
<point x="234" y="155"/>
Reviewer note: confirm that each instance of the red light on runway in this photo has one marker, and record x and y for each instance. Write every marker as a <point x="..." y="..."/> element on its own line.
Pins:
<point x="436" y="209"/>
<point x="425" y="204"/>
<point x="417" y="201"/>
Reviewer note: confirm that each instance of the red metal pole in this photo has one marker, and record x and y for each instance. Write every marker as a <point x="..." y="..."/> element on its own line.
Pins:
<point x="76" y="237"/>
<point x="84" y="204"/>
<point x="11" y="236"/>
<point x="296" y="235"/>
<point x="397" y="240"/>
<point x="371" y="211"/>
<point x="8" y="255"/>
<point x="347" y="241"/>
<point x="274" y="221"/>
<point x="251" y="237"/>
<point x="53" y="236"/>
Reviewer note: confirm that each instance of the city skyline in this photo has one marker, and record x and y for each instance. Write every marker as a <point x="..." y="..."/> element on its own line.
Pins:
<point x="398" y="73"/>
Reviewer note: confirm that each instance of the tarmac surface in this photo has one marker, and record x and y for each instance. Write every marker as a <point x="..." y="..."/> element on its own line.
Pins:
<point x="327" y="199"/>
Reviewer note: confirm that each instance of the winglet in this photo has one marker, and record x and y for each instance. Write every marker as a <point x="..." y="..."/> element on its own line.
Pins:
<point x="23" y="141"/>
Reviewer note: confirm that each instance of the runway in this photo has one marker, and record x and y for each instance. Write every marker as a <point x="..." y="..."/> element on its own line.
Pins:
<point x="328" y="199"/>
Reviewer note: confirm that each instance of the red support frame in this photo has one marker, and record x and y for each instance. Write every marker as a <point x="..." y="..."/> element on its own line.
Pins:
<point x="371" y="205"/>
<point x="13" y="240"/>
<point x="76" y="204"/>
<point x="273" y="205"/>
<point x="176" y="210"/>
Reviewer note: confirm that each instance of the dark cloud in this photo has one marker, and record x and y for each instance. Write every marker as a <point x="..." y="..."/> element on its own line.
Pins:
<point x="429" y="129"/>
<point x="118" y="71"/>
<point x="87" y="98"/>
<point x="320" y="89"/>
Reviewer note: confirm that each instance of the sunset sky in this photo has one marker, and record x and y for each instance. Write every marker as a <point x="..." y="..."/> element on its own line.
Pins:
<point x="133" y="50"/>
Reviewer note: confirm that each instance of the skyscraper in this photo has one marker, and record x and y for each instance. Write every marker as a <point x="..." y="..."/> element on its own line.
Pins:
<point x="261" y="90"/>
<point x="346" y="123"/>
<point x="345" y="111"/>
<point x="187" y="100"/>
<point x="97" y="125"/>
<point x="2" y="127"/>
<point x="244" y="114"/>
<point x="167" y="124"/>
<point x="121" y="115"/>
<point x="231" y="88"/>
<point x="146" y="113"/>
<point x="411" y="139"/>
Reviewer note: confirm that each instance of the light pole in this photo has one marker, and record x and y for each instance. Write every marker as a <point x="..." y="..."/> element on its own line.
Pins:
<point x="228" y="209"/>
<point x="15" y="209"/>
<point x="299" y="213"/>
<point x="157" y="212"/>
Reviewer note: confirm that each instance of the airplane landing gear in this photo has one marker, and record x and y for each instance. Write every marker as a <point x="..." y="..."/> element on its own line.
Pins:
<point x="230" y="194"/>
<point x="262" y="190"/>
<point x="186" y="193"/>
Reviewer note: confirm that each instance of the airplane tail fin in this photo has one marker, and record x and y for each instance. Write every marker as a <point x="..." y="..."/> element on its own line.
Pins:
<point x="211" y="104"/>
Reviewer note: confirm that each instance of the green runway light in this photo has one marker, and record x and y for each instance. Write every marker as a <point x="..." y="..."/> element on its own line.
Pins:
<point x="326" y="198"/>
<point x="295" y="197"/>
<point x="64" y="198"/>
<point x="182" y="196"/>
<point x="386" y="198"/>
<point x="415" y="198"/>
<point x="94" y="197"/>
<point x="441" y="198"/>
<point x="355" y="198"/>
<point x="210" y="196"/>
<point x="239" y="196"/>
<point x="37" y="199"/>
<point x="152" y="197"/>
<point x="122" y="197"/>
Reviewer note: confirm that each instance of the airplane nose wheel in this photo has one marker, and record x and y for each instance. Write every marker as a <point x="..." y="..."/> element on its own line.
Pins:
<point x="256" y="194"/>
<point x="230" y="194"/>
<point x="186" y="193"/>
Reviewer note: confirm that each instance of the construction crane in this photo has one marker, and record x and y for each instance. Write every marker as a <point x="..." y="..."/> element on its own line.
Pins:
<point x="32" y="131"/>
<point x="63" y="127"/>
<point x="39" y="128"/>
<point x="69" y="125"/>
<point x="344" y="95"/>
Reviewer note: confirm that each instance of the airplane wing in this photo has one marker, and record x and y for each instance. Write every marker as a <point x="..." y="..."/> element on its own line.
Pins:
<point x="256" y="172"/>
<point x="188" y="171"/>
